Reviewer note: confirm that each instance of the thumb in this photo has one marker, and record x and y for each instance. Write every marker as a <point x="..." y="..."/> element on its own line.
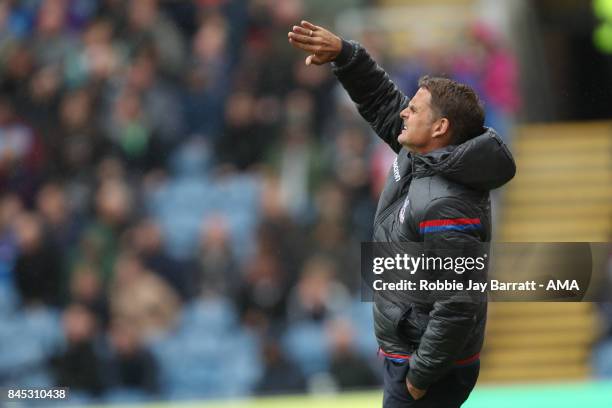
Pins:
<point x="309" y="59"/>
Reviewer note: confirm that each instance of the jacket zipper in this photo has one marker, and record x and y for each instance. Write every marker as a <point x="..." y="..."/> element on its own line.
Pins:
<point x="383" y="216"/>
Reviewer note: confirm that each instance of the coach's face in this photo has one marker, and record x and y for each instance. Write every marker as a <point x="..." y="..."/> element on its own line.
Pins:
<point x="422" y="131"/>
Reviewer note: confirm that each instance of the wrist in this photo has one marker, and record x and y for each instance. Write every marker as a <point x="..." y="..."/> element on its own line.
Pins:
<point x="345" y="53"/>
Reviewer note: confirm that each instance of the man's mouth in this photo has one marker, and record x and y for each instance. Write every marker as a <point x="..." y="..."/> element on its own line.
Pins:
<point x="403" y="132"/>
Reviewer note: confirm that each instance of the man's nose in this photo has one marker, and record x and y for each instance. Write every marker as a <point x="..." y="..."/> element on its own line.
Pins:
<point x="405" y="113"/>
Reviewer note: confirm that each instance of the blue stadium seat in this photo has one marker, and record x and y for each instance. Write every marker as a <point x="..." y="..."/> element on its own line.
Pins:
<point x="306" y="344"/>
<point x="244" y="364"/>
<point x="32" y="336"/>
<point x="214" y="315"/>
<point x="602" y="360"/>
<point x="8" y="299"/>
<point x="184" y="203"/>
<point x="210" y="355"/>
<point x="363" y="321"/>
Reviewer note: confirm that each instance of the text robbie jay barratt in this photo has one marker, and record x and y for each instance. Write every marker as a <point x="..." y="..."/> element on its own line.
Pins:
<point x="493" y="285"/>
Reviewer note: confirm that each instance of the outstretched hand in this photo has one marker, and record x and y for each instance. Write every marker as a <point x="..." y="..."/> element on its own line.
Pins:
<point x="322" y="45"/>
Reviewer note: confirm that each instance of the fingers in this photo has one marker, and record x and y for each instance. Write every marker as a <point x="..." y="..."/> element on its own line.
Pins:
<point x="308" y="25"/>
<point x="302" y="46"/>
<point x="301" y="30"/>
<point x="305" y="39"/>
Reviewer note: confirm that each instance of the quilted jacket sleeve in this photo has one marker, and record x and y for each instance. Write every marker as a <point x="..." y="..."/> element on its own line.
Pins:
<point x="377" y="98"/>
<point x="450" y="228"/>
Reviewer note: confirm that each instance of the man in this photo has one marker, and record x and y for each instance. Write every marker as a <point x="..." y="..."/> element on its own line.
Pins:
<point x="437" y="194"/>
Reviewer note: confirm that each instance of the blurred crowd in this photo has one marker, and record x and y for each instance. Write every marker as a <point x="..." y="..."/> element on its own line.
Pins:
<point x="182" y="199"/>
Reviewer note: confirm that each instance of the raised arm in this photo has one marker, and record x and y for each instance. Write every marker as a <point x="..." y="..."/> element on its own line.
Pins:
<point x="377" y="98"/>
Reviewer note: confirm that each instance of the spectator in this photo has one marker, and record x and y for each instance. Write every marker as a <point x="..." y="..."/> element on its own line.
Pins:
<point x="148" y="242"/>
<point x="281" y="376"/>
<point x="16" y="73"/>
<point x="161" y="103"/>
<point x="99" y="241"/>
<point x="62" y="223"/>
<point x="264" y="287"/>
<point x="349" y="370"/>
<point x="147" y="25"/>
<point x="244" y="140"/>
<point x="10" y="209"/>
<point x="317" y="296"/>
<point x="21" y="153"/>
<point x="80" y="366"/>
<point x="141" y="299"/>
<point x="38" y="267"/>
<point x="299" y="166"/>
<point x="278" y="232"/>
<point x="132" y="133"/>
<point x="51" y="40"/>
<point x="98" y="57"/>
<point x="219" y="270"/>
<point x="208" y="82"/>
<point x="76" y="145"/>
<point x="130" y="364"/>
<point x="86" y="289"/>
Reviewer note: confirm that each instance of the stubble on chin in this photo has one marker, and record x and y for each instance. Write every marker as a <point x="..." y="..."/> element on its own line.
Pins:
<point x="404" y="141"/>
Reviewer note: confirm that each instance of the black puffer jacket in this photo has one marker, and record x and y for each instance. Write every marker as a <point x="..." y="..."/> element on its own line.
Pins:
<point x="440" y="199"/>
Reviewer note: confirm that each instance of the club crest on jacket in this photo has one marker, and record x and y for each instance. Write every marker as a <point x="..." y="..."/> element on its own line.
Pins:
<point x="402" y="214"/>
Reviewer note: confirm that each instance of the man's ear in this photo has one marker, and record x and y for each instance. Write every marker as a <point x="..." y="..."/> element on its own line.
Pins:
<point x="441" y="128"/>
